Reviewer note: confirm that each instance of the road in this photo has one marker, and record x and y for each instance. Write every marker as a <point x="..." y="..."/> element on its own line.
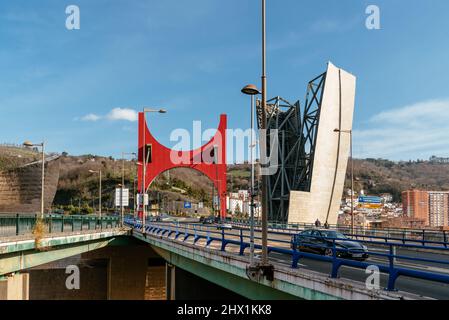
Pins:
<point x="420" y="287"/>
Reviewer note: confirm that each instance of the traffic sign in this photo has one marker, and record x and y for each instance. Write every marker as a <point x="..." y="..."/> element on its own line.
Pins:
<point x="370" y="199"/>
<point x="125" y="197"/>
<point x="139" y="199"/>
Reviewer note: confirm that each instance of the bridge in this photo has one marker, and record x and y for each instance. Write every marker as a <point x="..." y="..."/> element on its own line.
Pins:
<point x="412" y="266"/>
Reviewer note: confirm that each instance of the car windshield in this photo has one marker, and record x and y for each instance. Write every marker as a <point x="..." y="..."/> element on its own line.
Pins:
<point x="333" y="234"/>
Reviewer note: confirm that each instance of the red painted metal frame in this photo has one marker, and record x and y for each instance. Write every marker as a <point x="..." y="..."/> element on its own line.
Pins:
<point x="162" y="159"/>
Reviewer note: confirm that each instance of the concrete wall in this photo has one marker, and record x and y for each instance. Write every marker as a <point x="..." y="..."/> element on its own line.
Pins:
<point x="191" y="287"/>
<point x="127" y="270"/>
<point x="15" y="287"/>
<point x="331" y="153"/>
<point x="20" y="189"/>
<point x="50" y="284"/>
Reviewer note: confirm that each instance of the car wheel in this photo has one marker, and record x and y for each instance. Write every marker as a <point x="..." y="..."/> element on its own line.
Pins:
<point x="328" y="252"/>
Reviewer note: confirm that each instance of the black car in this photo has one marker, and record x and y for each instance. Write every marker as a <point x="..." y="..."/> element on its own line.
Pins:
<point x="208" y="220"/>
<point x="320" y="241"/>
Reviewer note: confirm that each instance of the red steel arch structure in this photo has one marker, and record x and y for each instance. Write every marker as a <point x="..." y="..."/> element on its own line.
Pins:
<point x="160" y="159"/>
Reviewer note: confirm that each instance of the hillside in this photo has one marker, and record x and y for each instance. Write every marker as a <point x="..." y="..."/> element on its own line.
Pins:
<point x="375" y="176"/>
<point x="12" y="156"/>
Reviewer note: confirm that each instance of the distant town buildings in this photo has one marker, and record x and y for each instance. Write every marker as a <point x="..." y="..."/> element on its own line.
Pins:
<point x="419" y="209"/>
<point x="238" y="203"/>
<point x="386" y="197"/>
<point x="435" y="159"/>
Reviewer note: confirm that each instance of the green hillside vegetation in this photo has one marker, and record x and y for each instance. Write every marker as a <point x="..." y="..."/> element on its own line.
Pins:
<point x="78" y="187"/>
<point x="377" y="176"/>
<point x="12" y="157"/>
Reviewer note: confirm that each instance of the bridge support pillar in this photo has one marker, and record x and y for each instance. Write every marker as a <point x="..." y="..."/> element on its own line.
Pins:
<point x="127" y="270"/>
<point x="15" y="287"/>
<point x="170" y="281"/>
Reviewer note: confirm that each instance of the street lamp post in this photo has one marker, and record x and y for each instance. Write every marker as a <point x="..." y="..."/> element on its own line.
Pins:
<point x="264" y="260"/>
<point x="264" y="267"/>
<point x="252" y="91"/>
<point x="29" y="144"/>
<point x="352" y="176"/>
<point x="144" y="159"/>
<point x="134" y="196"/>
<point x="122" y="213"/>
<point x="99" y="193"/>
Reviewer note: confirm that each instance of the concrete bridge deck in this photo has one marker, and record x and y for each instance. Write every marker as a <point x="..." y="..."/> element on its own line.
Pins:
<point x="207" y="260"/>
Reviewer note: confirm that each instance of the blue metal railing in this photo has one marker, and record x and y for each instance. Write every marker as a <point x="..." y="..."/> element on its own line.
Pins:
<point x="422" y="236"/>
<point x="23" y="224"/>
<point x="359" y="229"/>
<point x="291" y="247"/>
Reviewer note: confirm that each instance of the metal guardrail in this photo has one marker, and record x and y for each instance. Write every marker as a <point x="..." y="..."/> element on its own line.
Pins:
<point x="21" y="224"/>
<point x="357" y="228"/>
<point x="391" y="266"/>
<point x="423" y="236"/>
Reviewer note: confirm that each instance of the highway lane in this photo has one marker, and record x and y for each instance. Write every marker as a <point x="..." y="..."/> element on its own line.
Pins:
<point x="283" y="241"/>
<point x="424" y="288"/>
<point x="420" y="287"/>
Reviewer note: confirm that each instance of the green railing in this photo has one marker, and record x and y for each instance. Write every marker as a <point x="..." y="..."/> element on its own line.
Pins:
<point x="23" y="224"/>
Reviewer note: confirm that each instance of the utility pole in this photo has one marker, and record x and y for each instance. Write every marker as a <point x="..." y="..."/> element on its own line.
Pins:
<point x="252" y="91"/>
<point x="264" y="260"/>
<point x="122" y="213"/>
<point x="263" y="268"/>
<point x="122" y="210"/>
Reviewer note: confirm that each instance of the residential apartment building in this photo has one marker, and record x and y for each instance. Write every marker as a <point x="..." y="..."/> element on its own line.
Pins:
<point x="430" y="206"/>
<point x="438" y="208"/>
<point x="415" y="205"/>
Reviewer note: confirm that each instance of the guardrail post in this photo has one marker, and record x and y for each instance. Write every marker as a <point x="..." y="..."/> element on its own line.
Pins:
<point x="208" y="238"/>
<point x="17" y="224"/>
<point x="242" y="246"/>
<point x="223" y="244"/>
<point x="295" y="255"/>
<point x="62" y="223"/>
<point x="445" y="238"/>
<point x="335" y="265"/>
<point x="392" y="272"/>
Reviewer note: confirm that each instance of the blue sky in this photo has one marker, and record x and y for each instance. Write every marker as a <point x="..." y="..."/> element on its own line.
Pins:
<point x="193" y="57"/>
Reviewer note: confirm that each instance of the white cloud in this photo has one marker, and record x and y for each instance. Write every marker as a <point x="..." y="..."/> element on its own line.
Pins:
<point x="116" y="114"/>
<point x="415" y="131"/>
<point x="90" y="117"/>
<point x="122" y="114"/>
